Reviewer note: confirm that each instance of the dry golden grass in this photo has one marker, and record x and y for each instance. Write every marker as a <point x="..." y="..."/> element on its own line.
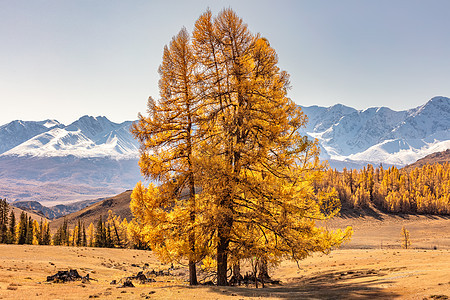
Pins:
<point x="354" y="272"/>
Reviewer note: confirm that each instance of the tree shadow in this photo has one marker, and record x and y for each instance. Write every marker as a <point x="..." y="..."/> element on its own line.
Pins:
<point x="349" y="213"/>
<point x="361" y="284"/>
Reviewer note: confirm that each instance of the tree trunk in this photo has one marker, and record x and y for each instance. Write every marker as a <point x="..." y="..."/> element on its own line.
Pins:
<point x="222" y="258"/>
<point x="237" y="270"/>
<point x="192" y="274"/>
<point x="192" y="269"/>
<point x="263" y="271"/>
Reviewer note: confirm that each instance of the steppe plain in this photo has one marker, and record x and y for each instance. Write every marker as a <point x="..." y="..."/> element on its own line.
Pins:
<point x="371" y="266"/>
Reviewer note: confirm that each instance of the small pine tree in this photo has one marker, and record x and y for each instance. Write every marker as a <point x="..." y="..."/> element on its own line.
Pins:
<point x="79" y="234"/>
<point x="100" y="234"/>
<point x="29" y="235"/>
<point x="84" y="240"/>
<point x="109" y="242"/>
<point x="65" y="234"/>
<point x="12" y="228"/>
<point x="58" y="237"/>
<point x="22" y="228"/>
<point x="4" y="209"/>
<point x="46" y="236"/>
<point x="41" y="233"/>
<point x="406" y="242"/>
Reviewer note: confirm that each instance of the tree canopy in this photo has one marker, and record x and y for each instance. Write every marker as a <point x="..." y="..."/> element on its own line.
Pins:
<point x="224" y="126"/>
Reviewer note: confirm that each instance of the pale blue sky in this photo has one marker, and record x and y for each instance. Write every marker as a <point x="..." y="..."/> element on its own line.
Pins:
<point x="63" y="59"/>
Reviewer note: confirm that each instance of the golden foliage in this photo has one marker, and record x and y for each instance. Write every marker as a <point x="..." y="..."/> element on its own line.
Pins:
<point x="421" y="190"/>
<point x="406" y="242"/>
<point x="224" y="126"/>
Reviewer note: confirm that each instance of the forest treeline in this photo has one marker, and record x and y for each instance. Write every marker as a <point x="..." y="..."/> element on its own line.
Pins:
<point x="110" y="233"/>
<point x="424" y="190"/>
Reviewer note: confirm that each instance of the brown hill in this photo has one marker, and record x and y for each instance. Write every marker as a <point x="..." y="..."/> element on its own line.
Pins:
<point x="119" y="205"/>
<point x="434" y="158"/>
<point x="18" y="211"/>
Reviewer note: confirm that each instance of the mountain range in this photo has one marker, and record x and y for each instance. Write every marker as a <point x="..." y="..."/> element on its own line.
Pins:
<point x="353" y="138"/>
<point x="88" y="137"/>
<point x="53" y="163"/>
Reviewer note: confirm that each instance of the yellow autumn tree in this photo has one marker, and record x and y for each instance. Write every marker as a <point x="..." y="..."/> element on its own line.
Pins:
<point x="168" y="137"/>
<point x="406" y="242"/>
<point x="243" y="151"/>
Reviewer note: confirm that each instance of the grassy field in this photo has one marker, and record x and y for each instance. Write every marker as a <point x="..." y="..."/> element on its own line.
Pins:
<point x="362" y="269"/>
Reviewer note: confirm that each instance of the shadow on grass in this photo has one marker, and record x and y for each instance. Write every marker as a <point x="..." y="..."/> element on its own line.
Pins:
<point x="348" y="212"/>
<point x="327" y="285"/>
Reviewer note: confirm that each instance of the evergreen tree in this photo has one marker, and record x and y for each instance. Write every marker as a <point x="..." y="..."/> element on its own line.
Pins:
<point x="84" y="240"/>
<point x="4" y="210"/>
<point x="79" y="240"/>
<point x="57" y="237"/>
<point x="41" y="233"/>
<point x="12" y="228"/>
<point x="46" y="236"/>
<point x="29" y="234"/>
<point x="22" y="229"/>
<point x="65" y="234"/>
<point x="109" y="242"/>
<point x="100" y="234"/>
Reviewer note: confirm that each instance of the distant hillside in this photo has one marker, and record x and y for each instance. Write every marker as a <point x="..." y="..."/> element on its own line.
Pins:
<point x="434" y="158"/>
<point x="119" y="205"/>
<point x="18" y="212"/>
<point x="56" y="211"/>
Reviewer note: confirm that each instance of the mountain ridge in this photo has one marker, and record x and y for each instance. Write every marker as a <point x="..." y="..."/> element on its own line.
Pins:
<point x="86" y="137"/>
<point x="379" y="134"/>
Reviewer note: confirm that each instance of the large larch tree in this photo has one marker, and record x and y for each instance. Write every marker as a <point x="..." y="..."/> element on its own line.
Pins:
<point x="254" y="169"/>
<point x="169" y="136"/>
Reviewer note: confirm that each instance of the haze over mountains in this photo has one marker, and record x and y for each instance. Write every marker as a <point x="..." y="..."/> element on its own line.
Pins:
<point x="53" y="163"/>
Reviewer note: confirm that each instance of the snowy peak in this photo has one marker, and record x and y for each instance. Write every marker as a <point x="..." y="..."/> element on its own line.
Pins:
<point x="51" y="123"/>
<point x="92" y="126"/>
<point x="423" y="121"/>
<point x="381" y="135"/>
<point x="17" y="132"/>
<point x="86" y="137"/>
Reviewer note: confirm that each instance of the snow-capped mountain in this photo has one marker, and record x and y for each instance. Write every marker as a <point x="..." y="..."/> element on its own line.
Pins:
<point x="53" y="163"/>
<point x="86" y="137"/>
<point x="17" y="132"/>
<point x="380" y="135"/>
